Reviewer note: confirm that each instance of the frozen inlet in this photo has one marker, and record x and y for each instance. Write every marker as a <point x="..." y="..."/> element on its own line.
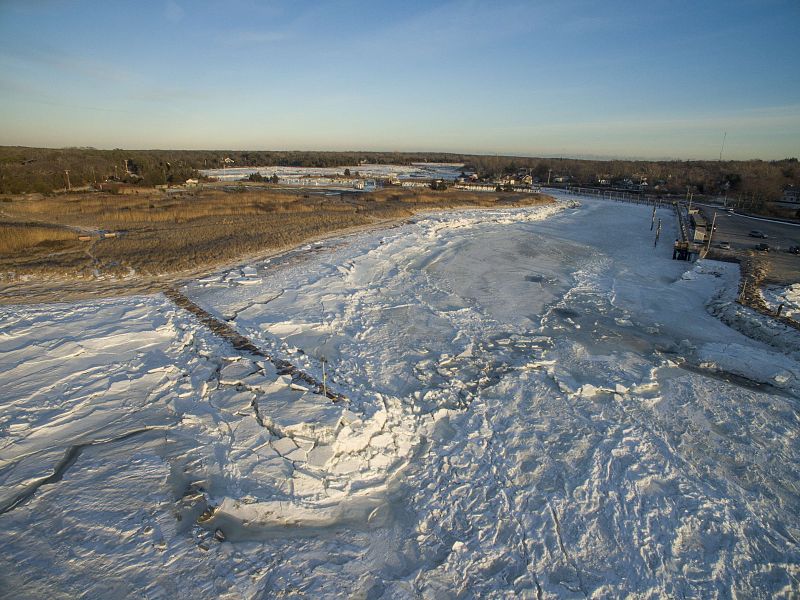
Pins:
<point x="537" y="407"/>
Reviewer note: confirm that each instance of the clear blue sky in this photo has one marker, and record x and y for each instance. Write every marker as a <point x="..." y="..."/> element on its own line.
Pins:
<point x="649" y="79"/>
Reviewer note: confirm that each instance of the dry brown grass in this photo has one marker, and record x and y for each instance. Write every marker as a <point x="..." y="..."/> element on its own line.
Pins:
<point x="187" y="231"/>
<point x="19" y="237"/>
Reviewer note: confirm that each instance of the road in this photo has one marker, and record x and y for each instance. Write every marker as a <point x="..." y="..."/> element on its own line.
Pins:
<point x="735" y="228"/>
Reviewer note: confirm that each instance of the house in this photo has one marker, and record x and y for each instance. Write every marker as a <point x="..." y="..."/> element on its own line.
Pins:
<point x="791" y="195"/>
<point x="700" y="226"/>
<point x="415" y="184"/>
<point x="476" y="187"/>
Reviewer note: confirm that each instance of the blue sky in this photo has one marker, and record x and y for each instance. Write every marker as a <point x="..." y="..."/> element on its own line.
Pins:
<point x="660" y="79"/>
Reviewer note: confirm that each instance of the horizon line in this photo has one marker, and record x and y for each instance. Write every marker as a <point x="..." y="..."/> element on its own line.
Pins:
<point x="587" y="157"/>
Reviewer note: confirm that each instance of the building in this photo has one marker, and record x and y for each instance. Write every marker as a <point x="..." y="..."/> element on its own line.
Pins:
<point x="492" y="187"/>
<point x="700" y="226"/>
<point x="791" y="195"/>
<point x="415" y="184"/>
<point x="476" y="187"/>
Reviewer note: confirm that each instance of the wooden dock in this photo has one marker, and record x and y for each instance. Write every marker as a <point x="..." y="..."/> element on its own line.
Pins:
<point x="240" y="342"/>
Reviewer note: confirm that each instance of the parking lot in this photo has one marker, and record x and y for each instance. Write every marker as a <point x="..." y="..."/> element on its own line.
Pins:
<point x="735" y="228"/>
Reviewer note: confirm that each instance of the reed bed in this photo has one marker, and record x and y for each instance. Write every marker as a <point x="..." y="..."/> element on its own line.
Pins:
<point x="22" y="237"/>
<point x="161" y="233"/>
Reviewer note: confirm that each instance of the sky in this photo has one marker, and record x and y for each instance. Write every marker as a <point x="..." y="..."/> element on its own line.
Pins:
<point x="646" y="79"/>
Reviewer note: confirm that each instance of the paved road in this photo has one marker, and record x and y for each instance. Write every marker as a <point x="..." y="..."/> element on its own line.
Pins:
<point x="735" y="229"/>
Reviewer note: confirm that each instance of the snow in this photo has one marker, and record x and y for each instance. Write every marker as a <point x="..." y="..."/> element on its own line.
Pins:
<point x="788" y="296"/>
<point x="540" y="403"/>
<point x="414" y="171"/>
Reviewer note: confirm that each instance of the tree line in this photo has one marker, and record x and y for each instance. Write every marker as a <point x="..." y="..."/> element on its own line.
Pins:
<point x="43" y="170"/>
<point x="757" y="179"/>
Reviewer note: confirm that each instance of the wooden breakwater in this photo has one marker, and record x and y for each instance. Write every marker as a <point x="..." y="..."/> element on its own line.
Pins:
<point x="621" y="196"/>
<point x="243" y="344"/>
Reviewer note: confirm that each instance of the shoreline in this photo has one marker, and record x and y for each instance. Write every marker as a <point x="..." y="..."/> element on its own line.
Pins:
<point x="62" y="289"/>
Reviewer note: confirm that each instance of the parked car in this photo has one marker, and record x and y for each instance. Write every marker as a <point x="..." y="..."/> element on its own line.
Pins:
<point x="794" y="249"/>
<point x="762" y="247"/>
<point x="724" y="245"/>
<point x="758" y="234"/>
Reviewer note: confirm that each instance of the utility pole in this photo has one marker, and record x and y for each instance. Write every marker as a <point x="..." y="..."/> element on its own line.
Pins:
<point x="548" y="175"/>
<point x="66" y="175"/>
<point x="711" y="233"/>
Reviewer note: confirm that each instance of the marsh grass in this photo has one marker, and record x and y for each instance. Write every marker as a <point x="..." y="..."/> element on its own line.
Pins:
<point x="22" y="237"/>
<point x="171" y="233"/>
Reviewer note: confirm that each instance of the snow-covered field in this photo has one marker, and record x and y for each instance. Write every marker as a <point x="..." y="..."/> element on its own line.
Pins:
<point x="413" y="171"/>
<point x="541" y="404"/>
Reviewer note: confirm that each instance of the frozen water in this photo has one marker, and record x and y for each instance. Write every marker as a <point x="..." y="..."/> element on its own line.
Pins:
<point x="414" y="171"/>
<point x="540" y="404"/>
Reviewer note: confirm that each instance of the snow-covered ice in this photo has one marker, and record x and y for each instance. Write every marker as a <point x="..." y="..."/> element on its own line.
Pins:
<point x="787" y="298"/>
<point x="414" y="171"/>
<point x="541" y="403"/>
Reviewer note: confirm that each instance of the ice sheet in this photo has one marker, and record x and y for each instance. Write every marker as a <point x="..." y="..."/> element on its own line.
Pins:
<point x="541" y="404"/>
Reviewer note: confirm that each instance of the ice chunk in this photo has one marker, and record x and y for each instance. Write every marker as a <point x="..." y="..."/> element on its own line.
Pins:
<point x="311" y="415"/>
<point x="235" y="372"/>
<point x="320" y="455"/>
<point x="306" y="485"/>
<point x="349" y="465"/>
<point x="382" y="440"/>
<point x="298" y="454"/>
<point x="284" y="445"/>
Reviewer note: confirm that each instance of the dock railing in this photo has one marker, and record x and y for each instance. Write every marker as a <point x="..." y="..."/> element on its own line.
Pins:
<point x="621" y="196"/>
